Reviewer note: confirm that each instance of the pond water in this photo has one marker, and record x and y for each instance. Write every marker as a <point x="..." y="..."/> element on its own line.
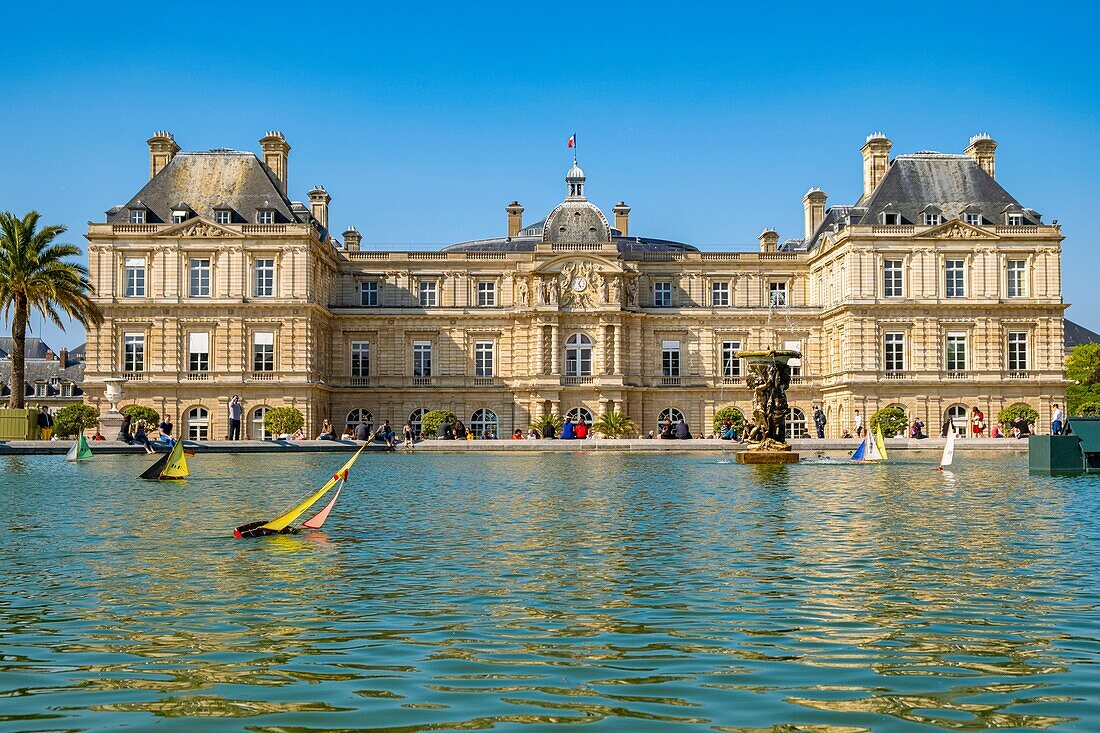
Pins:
<point x="534" y="591"/>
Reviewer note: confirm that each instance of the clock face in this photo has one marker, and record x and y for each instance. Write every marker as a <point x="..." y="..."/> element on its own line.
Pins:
<point x="579" y="284"/>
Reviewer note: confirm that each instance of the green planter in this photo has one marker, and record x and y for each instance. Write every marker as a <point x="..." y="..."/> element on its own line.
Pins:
<point x="18" y="424"/>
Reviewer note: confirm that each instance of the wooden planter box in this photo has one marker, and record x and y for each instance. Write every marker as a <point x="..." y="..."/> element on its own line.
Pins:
<point x="18" y="424"/>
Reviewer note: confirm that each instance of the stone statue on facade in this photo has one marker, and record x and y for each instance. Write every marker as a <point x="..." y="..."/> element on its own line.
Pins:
<point x="632" y="291"/>
<point x="615" y="291"/>
<point x="524" y="292"/>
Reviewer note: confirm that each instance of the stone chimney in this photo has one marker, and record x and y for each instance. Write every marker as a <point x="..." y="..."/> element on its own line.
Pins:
<point x="162" y="148"/>
<point x="64" y="358"/>
<point x="352" y="239"/>
<point x="876" y="159"/>
<point x="813" y="204"/>
<point x="622" y="218"/>
<point x="515" y="218"/>
<point x="982" y="149"/>
<point x="318" y="204"/>
<point x="276" y="154"/>
<point x="769" y="240"/>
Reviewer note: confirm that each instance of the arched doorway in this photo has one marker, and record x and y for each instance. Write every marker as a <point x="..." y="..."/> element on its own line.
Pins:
<point x="482" y="420"/>
<point x="796" y="424"/>
<point x="258" y="431"/>
<point x="198" y="424"/>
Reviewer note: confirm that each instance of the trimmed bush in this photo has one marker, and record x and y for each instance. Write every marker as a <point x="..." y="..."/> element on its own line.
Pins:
<point x="732" y="414"/>
<point x="280" y="420"/>
<point x="1010" y="414"/>
<point x="74" y="419"/>
<point x="891" y="420"/>
<point x="429" y="424"/>
<point x="141" y="412"/>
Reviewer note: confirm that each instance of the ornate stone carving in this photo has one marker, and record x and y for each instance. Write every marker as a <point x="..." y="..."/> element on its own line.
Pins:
<point x="955" y="230"/>
<point x="204" y="230"/>
<point x="632" y="291"/>
<point x="577" y="283"/>
<point x="769" y="377"/>
<point x="524" y="291"/>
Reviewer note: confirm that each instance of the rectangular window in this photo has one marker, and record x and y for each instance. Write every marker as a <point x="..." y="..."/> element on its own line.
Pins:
<point x="933" y="220"/>
<point x="794" y="364"/>
<point x="486" y="294"/>
<point x="263" y="351"/>
<point x="777" y="295"/>
<point x="428" y="295"/>
<point x="1014" y="281"/>
<point x="223" y="216"/>
<point x="891" y="219"/>
<point x="956" y="352"/>
<point x="133" y="352"/>
<point x="135" y="277"/>
<point x="265" y="217"/>
<point x="893" y="349"/>
<point x="360" y="358"/>
<point x="670" y="358"/>
<point x="1015" y="220"/>
<point x="198" y="351"/>
<point x="178" y="217"/>
<point x="200" y="278"/>
<point x="973" y="220"/>
<point x="265" y="278"/>
<point x="731" y="365"/>
<point x="1017" y="351"/>
<point x="891" y="278"/>
<point x="483" y="359"/>
<point x="137" y="216"/>
<point x="662" y="295"/>
<point x="368" y="294"/>
<point x="720" y="295"/>
<point x="422" y="358"/>
<point x="954" y="279"/>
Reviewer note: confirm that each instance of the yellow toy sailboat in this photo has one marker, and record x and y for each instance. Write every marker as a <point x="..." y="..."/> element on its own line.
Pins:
<point x="172" y="466"/>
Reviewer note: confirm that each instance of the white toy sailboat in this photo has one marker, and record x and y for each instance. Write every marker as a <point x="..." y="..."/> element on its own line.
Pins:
<point x="948" y="451"/>
<point x="872" y="449"/>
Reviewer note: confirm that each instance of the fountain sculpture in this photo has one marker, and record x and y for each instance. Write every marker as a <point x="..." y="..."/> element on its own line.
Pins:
<point x="769" y="376"/>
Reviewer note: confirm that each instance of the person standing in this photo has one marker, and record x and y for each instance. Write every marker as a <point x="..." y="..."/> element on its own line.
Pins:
<point x="860" y="432"/>
<point x="45" y="423"/>
<point x="977" y="422"/>
<point x="408" y="434"/>
<point x="235" y="410"/>
<point x="819" y="422"/>
<point x="1056" y="421"/>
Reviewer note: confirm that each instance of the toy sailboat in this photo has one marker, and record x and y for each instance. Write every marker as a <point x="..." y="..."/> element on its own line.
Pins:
<point x="872" y="449"/>
<point x="281" y="524"/>
<point x="948" y="451"/>
<point x="172" y="466"/>
<point x="79" y="451"/>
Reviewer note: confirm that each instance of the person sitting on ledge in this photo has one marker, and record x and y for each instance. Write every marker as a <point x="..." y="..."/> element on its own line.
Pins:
<point x="1020" y="428"/>
<point x="124" y="430"/>
<point x="581" y="431"/>
<point x="567" y="429"/>
<point x="682" y="432"/>
<point x="517" y="434"/>
<point x="916" y="430"/>
<point x="349" y="434"/>
<point x="98" y="435"/>
<point x="327" y="431"/>
<point x="549" y="432"/>
<point x="532" y="434"/>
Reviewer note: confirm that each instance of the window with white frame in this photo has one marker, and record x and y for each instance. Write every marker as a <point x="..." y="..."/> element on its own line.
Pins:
<point x="956" y="352"/>
<point x="428" y="294"/>
<point x="483" y="359"/>
<point x="198" y="424"/>
<point x="264" y="270"/>
<point x="720" y="294"/>
<point x="1017" y="351"/>
<point x="668" y="415"/>
<point x="200" y="277"/>
<point x="954" y="278"/>
<point x="777" y="294"/>
<point x="731" y="365"/>
<point x="670" y="358"/>
<point x="486" y="293"/>
<point x="137" y="216"/>
<point x="265" y="216"/>
<point x="1015" y="273"/>
<point x="133" y="352"/>
<point x="422" y="358"/>
<point x="893" y="350"/>
<point x="578" y="355"/>
<point x="263" y="351"/>
<point x="972" y="219"/>
<point x="580" y="415"/>
<point x="1014" y="220"/>
<point x="360" y="358"/>
<point x="368" y="293"/>
<point x="483" y="423"/>
<point x="416" y="419"/>
<point x="796" y="363"/>
<point x="932" y="220"/>
<point x="223" y="216"/>
<point x="259" y="430"/>
<point x="891" y="219"/>
<point x="662" y="294"/>
<point x="135" y="277"/>
<point x="359" y="415"/>
<point x="892" y="278"/>
<point x="198" y="351"/>
<point x="178" y="216"/>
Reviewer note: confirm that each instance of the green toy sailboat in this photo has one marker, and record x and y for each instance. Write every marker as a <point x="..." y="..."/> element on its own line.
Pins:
<point x="80" y="450"/>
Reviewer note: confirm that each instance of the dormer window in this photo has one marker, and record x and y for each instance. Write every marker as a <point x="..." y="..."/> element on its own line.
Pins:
<point x="265" y="216"/>
<point x="1014" y="220"/>
<point x="974" y="220"/>
<point x="137" y="216"/>
<point x="179" y="216"/>
<point x="222" y="216"/>
<point x="932" y="220"/>
<point x="891" y="219"/>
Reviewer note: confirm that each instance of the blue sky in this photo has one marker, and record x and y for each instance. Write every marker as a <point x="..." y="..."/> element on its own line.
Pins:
<point x="424" y="120"/>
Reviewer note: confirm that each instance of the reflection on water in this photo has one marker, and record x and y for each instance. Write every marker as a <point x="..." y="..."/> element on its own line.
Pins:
<point x="453" y="592"/>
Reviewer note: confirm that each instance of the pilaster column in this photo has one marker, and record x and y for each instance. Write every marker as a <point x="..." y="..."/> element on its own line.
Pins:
<point x="617" y="368"/>
<point x="555" y="350"/>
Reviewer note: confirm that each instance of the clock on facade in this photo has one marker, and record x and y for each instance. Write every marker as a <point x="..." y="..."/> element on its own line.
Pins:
<point x="579" y="284"/>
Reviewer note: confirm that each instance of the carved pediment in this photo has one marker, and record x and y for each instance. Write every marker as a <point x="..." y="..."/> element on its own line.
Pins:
<point x="955" y="229"/>
<point x="200" y="229"/>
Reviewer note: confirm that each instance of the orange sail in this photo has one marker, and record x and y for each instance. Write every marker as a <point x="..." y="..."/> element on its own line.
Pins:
<point x="319" y="518"/>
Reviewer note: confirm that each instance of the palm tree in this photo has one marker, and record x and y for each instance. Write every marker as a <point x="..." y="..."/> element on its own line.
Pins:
<point x="34" y="275"/>
<point x="615" y="424"/>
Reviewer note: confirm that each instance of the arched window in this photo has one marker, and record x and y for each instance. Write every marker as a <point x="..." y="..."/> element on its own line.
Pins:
<point x="198" y="424"/>
<point x="258" y="432"/>
<point x="959" y="418"/>
<point x="669" y="414"/>
<point x="482" y="420"/>
<point x="796" y="424"/>
<point x="358" y="415"/>
<point x="578" y="355"/>
<point x="416" y="417"/>
<point x="580" y="414"/>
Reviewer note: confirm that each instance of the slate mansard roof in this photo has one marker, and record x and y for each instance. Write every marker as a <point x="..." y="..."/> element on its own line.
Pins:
<point x="204" y="181"/>
<point x="1076" y="335"/>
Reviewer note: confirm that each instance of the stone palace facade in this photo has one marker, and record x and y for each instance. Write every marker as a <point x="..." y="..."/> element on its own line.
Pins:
<point x="936" y="291"/>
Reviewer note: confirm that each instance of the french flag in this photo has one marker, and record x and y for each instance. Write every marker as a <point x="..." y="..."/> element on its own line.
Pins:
<point x="572" y="141"/>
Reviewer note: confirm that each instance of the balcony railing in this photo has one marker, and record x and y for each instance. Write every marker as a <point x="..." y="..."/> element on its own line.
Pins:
<point x="670" y="381"/>
<point x="485" y="381"/>
<point x="196" y="376"/>
<point x="895" y="374"/>
<point x="577" y="381"/>
<point x="422" y="381"/>
<point x="734" y="381"/>
<point x="134" y="376"/>
<point x="360" y="381"/>
<point x="956" y="374"/>
<point x="262" y="376"/>
<point x="1018" y="374"/>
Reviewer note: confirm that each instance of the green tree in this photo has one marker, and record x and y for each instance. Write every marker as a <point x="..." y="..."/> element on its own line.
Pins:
<point x="36" y="276"/>
<point x="732" y="414"/>
<point x="74" y="419"/>
<point x="141" y="412"/>
<point x="432" y="419"/>
<point x="615" y="424"/>
<point x="1012" y="413"/>
<point x="1083" y="369"/>
<point x="549" y="419"/>
<point x="283" y="420"/>
<point x="891" y="420"/>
